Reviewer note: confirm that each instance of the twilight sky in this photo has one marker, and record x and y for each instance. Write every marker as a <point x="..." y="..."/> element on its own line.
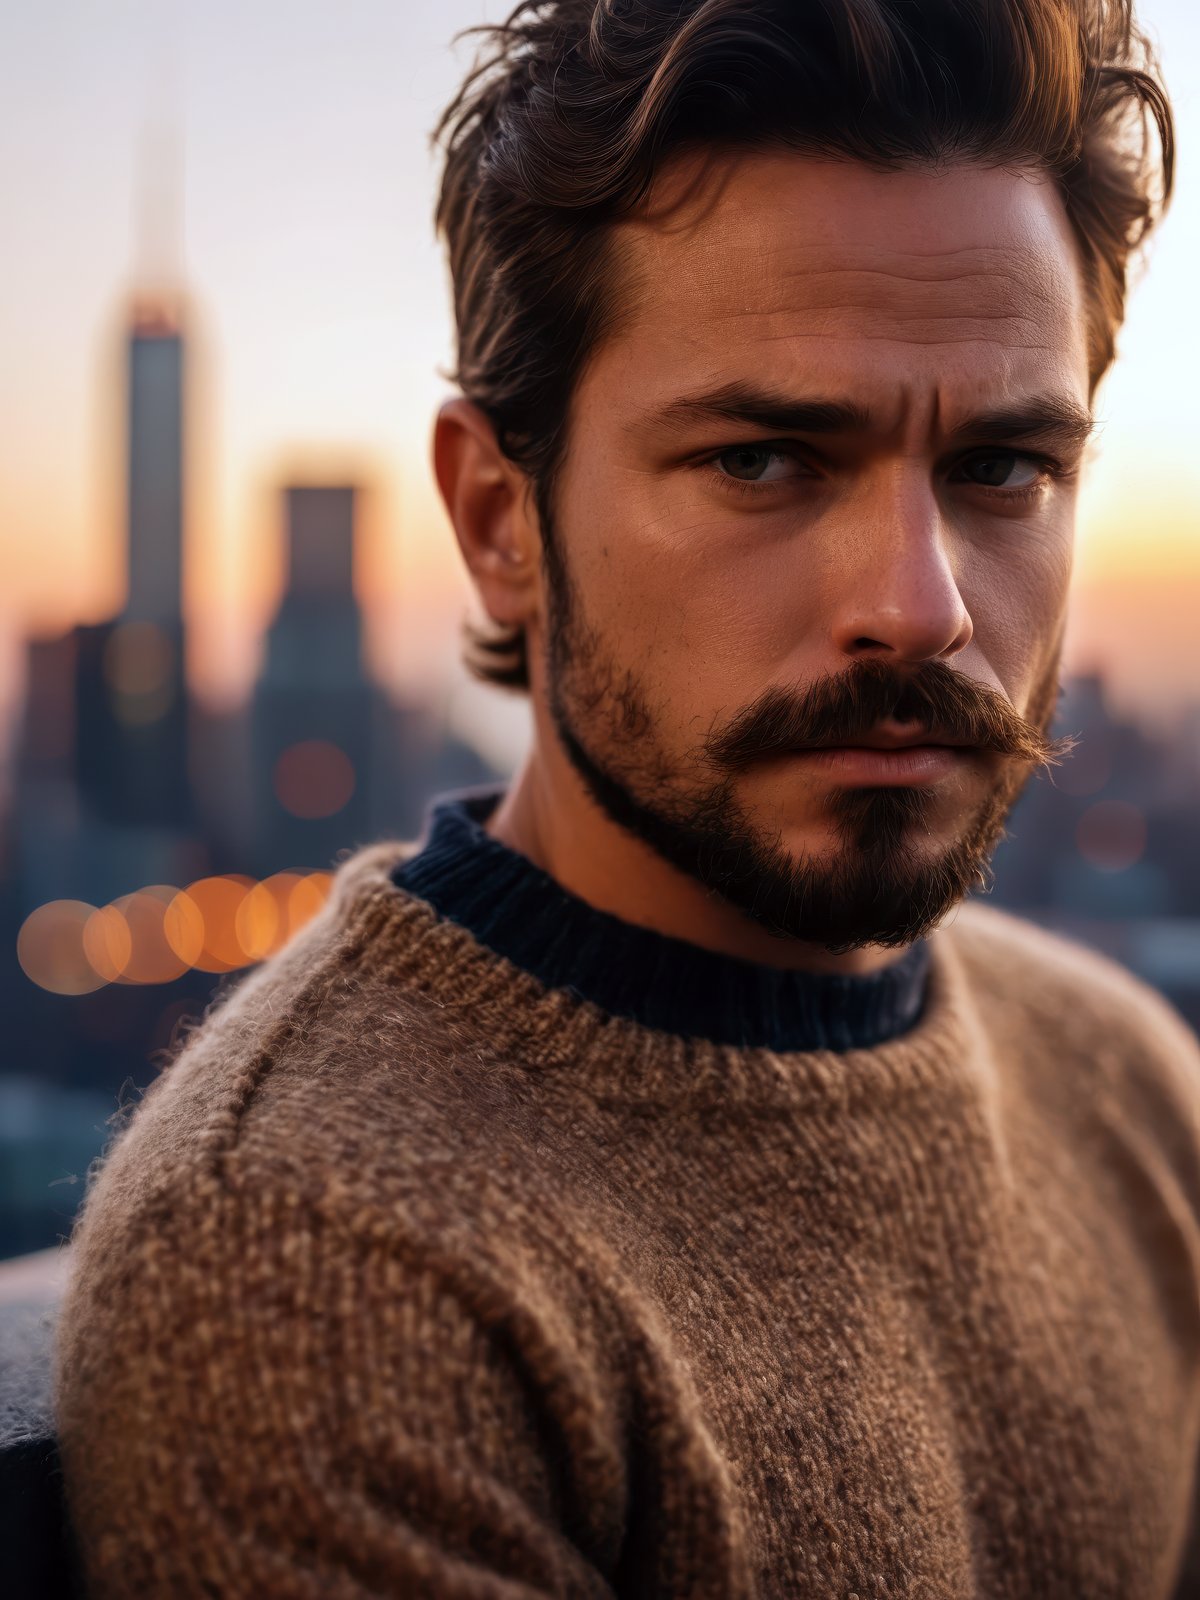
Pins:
<point x="320" y="319"/>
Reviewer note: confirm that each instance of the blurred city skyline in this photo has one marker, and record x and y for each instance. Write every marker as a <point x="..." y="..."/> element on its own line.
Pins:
<point x="153" y="848"/>
<point x="273" y="166"/>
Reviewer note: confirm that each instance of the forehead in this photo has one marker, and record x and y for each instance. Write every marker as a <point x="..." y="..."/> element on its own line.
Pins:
<point x="779" y="264"/>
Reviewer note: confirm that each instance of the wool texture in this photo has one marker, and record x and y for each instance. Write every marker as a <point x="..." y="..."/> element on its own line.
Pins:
<point x="522" y="912"/>
<point x="411" y="1276"/>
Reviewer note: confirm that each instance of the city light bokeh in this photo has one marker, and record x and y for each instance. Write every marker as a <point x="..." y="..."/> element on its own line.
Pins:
<point x="159" y="932"/>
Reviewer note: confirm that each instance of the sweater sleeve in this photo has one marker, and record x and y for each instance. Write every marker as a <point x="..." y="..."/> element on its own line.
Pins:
<point x="258" y="1397"/>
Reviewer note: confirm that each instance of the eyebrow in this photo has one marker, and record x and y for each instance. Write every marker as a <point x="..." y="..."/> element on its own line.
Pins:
<point x="1050" y="418"/>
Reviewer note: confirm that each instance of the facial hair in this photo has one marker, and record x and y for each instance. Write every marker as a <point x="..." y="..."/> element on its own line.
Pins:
<point x="874" y="887"/>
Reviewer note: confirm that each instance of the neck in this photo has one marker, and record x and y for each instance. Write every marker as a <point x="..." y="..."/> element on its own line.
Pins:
<point x="549" y="818"/>
<point x="519" y="912"/>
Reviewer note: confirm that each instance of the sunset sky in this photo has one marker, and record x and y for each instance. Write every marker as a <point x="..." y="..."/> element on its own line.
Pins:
<point x="295" y="138"/>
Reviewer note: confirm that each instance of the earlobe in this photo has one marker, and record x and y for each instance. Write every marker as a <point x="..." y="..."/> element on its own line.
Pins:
<point x="484" y="495"/>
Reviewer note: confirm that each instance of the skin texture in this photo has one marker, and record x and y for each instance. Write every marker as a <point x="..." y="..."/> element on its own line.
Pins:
<point x="687" y="632"/>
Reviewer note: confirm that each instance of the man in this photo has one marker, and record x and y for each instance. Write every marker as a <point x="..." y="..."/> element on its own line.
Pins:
<point x="655" y="1181"/>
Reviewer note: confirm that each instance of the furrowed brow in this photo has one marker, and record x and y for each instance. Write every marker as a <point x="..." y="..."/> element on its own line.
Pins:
<point x="1056" y="421"/>
<point x="1051" y="420"/>
<point x="737" y="402"/>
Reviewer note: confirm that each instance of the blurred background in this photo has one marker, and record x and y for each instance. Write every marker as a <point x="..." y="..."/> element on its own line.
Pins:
<point x="230" y="601"/>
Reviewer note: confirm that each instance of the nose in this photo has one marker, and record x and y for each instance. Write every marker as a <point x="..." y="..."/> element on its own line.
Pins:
<point x="897" y="591"/>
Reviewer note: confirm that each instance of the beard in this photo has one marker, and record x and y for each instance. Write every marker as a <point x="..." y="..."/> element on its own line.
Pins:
<point x="873" y="887"/>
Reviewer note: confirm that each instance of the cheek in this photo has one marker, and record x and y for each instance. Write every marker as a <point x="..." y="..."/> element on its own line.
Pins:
<point x="701" y="604"/>
<point x="1016" y="591"/>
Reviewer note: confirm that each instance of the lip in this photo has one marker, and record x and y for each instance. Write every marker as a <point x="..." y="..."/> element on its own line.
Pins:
<point x="910" y="763"/>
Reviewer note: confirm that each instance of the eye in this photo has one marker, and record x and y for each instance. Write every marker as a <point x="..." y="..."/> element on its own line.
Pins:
<point x="1004" y="469"/>
<point x="757" y="463"/>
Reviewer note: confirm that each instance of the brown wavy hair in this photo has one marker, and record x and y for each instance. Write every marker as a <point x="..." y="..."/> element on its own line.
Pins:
<point x="574" y="105"/>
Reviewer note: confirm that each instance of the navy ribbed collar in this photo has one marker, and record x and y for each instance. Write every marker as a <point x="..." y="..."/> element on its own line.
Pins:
<point x="524" y="914"/>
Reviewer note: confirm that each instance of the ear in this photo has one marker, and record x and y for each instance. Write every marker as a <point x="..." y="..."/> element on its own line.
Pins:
<point x="489" y="502"/>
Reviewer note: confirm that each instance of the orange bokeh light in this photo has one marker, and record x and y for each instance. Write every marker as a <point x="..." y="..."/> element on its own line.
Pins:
<point x="138" y="658"/>
<point x="153" y="958"/>
<point x="277" y="908"/>
<point x="211" y="909"/>
<point x="183" y="928"/>
<point x="155" y="935"/>
<point x="261" y="921"/>
<point x="108" y="943"/>
<point x="1111" y="835"/>
<point x="313" y="778"/>
<point x="50" y="948"/>
<point x="307" y="898"/>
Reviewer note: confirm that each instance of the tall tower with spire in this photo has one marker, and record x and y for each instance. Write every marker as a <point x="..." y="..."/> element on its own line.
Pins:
<point x="155" y="462"/>
<point x="133" y="723"/>
<point x="155" y="394"/>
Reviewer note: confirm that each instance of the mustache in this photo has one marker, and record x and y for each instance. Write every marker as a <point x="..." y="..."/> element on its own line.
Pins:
<point x="840" y="709"/>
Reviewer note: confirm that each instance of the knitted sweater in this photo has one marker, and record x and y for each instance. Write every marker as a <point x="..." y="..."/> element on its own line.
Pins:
<point x="412" y="1276"/>
<point x="516" y="908"/>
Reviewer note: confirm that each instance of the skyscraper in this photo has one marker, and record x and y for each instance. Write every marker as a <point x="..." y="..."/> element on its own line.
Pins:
<point x="154" y="507"/>
<point x="133" y="743"/>
<point x="314" y="707"/>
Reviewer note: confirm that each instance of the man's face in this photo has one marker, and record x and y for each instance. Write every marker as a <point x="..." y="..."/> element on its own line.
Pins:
<point x="820" y="486"/>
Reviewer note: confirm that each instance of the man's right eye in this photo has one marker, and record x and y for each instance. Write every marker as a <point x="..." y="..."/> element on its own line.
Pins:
<point x="758" y="463"/>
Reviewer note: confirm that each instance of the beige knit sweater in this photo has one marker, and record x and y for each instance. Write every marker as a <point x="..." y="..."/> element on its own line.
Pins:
<point x="410" y="1277"/>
